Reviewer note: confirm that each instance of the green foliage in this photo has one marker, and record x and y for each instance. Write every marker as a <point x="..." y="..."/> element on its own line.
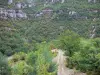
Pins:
<point x="4" y="68"/>
<point x="10" y="39"/>
<point x="43" y="30"/>
<point x="21" y="68"/>
<point x="83" y="54"/>
<point x="31" y="58"/>
<point x="17" y="57"/>
<point x="22" y="36"/>
<point x="19" y="65"/>
<point x="41" y="60"/>
<point x="69" y="42"/>
<point x="37" y="62"/>
<point x="47" y="30"/>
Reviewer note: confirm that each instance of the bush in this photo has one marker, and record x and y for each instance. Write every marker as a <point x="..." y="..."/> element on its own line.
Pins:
<point x="10" y="39"/>
<point x="21" y="68"/>
<point x="41" y="60"/>
<point x="87" y="59"/>
<point x="4" y="68"/>
<point x="70" y="42"/>
<point x="17" y="57"/>
<point x="83" y="54"/>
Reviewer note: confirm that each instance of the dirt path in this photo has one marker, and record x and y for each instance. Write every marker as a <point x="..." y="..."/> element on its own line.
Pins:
<point x="62" y="69"/>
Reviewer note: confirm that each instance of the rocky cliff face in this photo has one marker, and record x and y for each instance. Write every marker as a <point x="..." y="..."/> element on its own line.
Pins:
<point x="14" y="9"/>
<point x="12" y="14"/>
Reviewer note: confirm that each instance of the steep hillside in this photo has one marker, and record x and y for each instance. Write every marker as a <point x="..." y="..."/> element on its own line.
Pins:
<point x="30" y="29"/>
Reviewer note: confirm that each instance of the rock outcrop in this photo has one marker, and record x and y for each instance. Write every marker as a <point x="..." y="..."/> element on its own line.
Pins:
<point x="12" y="13"/>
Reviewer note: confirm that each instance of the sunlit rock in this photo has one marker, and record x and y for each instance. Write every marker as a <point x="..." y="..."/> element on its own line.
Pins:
<point x="18" y="5"/>
<point x="10" y="15"/>
<point x="38" y="15"/>
<point x="21" y="15"/>
<point x="10" y="2"/>
<point x="24" y="5"/>
<point x="72" y="13"/>
<point x="92" y="1"/>
<point x="1" y="10"/>
<point x="62" y="1"/>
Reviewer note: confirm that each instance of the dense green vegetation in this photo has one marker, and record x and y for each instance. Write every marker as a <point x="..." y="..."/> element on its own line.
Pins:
<point x="25" y="44"/>
<point x="4" y="68"/>
<point x="10" y="39"/>
<point x="83" y="54"/>
<point x="37" y="62"/>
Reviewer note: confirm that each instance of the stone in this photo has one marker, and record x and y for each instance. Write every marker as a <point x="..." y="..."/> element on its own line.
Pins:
<point x="10" y="2"/>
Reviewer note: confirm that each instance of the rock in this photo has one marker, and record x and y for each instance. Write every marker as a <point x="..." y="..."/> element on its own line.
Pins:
<point x="10" y="2"/>
<point x="92" y="1"/>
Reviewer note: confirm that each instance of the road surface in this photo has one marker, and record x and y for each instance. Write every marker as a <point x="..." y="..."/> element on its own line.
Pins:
<point x="60" y="59"/>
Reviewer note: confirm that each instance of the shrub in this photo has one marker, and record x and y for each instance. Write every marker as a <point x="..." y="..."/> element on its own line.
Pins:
<point x="21" y="68"/>
<point x="41" y="60"/>
<point x="4" y="68"/>
<point x="69" y="41"/>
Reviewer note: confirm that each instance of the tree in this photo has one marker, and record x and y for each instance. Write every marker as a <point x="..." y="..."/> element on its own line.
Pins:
<point x="4" y="68"/>
<point x="70" y="42"/>
<point x="10" y="39"/>
<point x="87" y="58"/>
<point x="41" y="61"/>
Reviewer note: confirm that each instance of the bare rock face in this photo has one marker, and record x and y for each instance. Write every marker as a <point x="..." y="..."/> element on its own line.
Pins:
<point x="72" y="13"/>
<point x="18" y="5"/>
<point x="62" y="1"/>
<point x="21" y="15"/>
<point x="15" y="11"/>
<point x="93" y="31"/>
<point x="92" y="1"/>
<point x="54" y="1"/>
<point x="12" y="13"/>
<point x="10" y="2"/>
